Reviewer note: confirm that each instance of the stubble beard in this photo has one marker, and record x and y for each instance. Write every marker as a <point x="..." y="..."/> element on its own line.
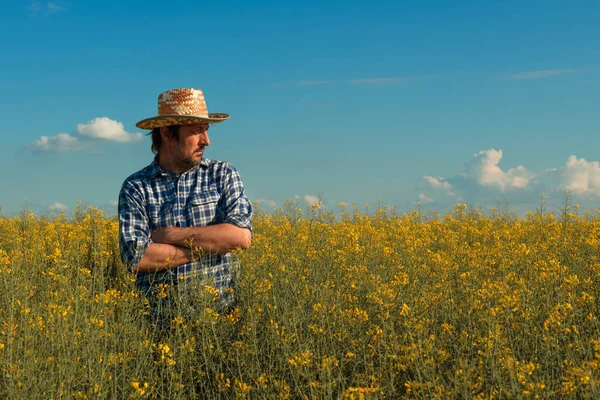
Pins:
<point x="186" y="162"/>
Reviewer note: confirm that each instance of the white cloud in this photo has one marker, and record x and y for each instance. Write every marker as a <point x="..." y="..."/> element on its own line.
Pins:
<point x="484" y="170"/>
<point x="424" y="199"/>
<point x="53" y="7"/>
<point x="311" y="200"/>
<point x="98" y="128"/>
<point x="484" y="183"/>
<point x="114" y="203"/>
<point x="580" y="176"/>
<point x="59" y="207"/>
<point x="548" y="73"/>
<point x="107" y="129"/>
<point x="59" y="143"/>
<point x="47" y="8"/>
<point x="438" y="182"/>
<point x="267" y="202"/>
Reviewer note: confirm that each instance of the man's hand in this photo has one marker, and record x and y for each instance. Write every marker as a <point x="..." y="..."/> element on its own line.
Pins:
<point x="164" y="235"/>
<point x="159" y="256"/>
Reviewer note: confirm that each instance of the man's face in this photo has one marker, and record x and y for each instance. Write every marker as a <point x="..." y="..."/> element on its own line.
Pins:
<point x="188" y="150"/>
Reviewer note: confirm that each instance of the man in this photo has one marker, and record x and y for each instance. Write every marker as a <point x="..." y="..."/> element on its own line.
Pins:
<point x="182" y="203"/>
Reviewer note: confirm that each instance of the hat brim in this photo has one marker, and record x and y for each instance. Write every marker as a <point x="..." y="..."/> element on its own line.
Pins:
<point x="167" y="120"/>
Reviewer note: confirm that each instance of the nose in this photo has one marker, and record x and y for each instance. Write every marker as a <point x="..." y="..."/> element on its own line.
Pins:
<point x="203" y="139"/>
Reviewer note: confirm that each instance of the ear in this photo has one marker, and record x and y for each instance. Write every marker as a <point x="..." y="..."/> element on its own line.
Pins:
<point x="164" y="134"/>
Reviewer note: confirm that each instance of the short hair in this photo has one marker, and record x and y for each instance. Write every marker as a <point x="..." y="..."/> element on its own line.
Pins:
<point x="157" y="139"/>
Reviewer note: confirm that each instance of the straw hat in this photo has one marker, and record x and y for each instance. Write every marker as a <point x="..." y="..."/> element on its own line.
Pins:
<point x="181" y="107"/>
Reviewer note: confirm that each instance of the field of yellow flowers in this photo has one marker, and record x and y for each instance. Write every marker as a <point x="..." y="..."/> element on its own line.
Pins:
<point x="362" y="306"/>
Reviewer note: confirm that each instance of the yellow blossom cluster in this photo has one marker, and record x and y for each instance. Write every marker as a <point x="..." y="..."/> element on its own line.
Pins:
<point x="369" y="305"/>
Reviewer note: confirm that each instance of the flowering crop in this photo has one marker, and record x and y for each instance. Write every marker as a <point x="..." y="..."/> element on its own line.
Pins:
<point x="356" y="307"/>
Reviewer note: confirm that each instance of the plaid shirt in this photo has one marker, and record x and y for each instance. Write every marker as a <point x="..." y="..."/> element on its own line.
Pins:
<point x="208" y="194"/>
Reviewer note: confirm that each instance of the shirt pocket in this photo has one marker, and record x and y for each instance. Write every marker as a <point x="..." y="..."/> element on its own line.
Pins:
<point x="160" y="215"/>
<point x="202" y="208"/>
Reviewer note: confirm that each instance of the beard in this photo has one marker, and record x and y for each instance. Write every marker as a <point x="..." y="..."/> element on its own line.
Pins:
<point x="185" y="162"/>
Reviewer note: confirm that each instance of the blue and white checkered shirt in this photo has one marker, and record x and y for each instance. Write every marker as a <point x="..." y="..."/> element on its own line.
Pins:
<point x="208" y="194"/>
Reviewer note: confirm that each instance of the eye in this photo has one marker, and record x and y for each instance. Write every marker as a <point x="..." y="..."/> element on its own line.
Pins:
<point x="201" y="130"/>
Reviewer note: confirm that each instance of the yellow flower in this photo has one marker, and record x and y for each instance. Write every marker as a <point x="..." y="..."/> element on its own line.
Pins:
<point x="141" y="389"/>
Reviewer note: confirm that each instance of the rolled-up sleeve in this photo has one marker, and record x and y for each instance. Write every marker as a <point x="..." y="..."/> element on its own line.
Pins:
<point x="134" y="230"/>
<point x="236" y="207"/>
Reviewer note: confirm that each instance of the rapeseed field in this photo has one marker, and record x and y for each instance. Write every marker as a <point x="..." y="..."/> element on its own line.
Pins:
<point x="366" y="305"/>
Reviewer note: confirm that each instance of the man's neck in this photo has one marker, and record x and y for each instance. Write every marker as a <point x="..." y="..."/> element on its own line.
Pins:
<point x="166" y="164"/>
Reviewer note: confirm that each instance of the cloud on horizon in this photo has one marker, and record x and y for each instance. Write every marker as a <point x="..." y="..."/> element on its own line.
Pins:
<point x="484" y="170"/>
<point x="57" y="144"/>
<point x="579" y="177"/>
<point x="483" y="181"/>
<point x="438" y="182"/>
<point x="423" y="199"/>
<point x="266" y="202"/>
<point x="309" y="199"/>
<point x="107" y="129"/>
<point x="58" y="207"/>
<point x="98" y="128"/>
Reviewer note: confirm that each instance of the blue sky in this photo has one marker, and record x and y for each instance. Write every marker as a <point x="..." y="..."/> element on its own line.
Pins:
<point x="441" y="102"/>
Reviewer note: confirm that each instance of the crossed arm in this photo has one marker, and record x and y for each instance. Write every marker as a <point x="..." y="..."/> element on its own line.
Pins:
<point x="144" y="250"/>
<point x="172" y="246"/>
